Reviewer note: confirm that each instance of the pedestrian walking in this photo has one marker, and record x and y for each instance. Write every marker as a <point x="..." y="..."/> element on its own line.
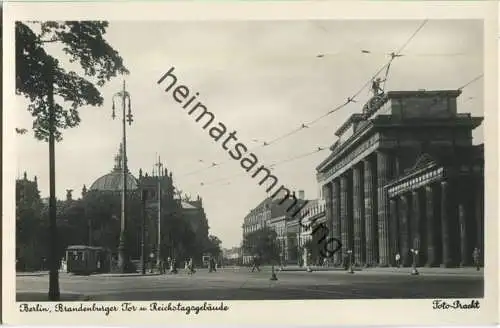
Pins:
<point x="173" y="266"/>
<point x="166" y="265"/>
<point x="169" y="264"/>
<point x="255" y="264"/>
<point x="476" y="258"/>
<point x="190" y="266"/>
<point x="214" y="264"/>
<point x="398" y="260"/>
<point x="163" y="266"/>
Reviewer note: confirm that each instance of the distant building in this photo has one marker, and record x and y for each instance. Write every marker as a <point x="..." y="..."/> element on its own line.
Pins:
<point x="172" y="207"/>
<point x="255" y="220"/>
<point x="312" y="215"/>
<point x="232" y="254"/>
<point x="405" y="176"/>
<point x="194" y="213"/>
<point x="275" y="214"/>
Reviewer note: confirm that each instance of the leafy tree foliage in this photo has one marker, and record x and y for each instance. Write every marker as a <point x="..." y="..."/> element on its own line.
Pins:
<point x="95" y="219"/>
<point x="30" y="228"/>
<point x="263" y="243"/>
<point x="214" y="246"/>
<point x="82" y="42"/>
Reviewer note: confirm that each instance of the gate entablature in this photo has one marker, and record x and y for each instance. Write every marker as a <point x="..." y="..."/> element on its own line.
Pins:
<point x="425" y="172"/>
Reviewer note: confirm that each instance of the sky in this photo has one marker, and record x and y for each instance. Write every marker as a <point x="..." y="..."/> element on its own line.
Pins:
<point x="262" y="79"/>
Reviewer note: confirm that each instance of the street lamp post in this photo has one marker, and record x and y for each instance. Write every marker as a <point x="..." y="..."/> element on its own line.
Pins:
<point x="123" y="261"/>
<point x="158" y="255"/>
<point x="349" y="253"/>
<point x="144" y="195"/>
<point x="308" y="260"/>
<point x="54" y="292"/>
<point x="414" y="270"/>
<point x="273" y="251"/>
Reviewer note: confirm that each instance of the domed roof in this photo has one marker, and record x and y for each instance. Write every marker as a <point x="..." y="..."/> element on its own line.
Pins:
<point x="114" y="181"/>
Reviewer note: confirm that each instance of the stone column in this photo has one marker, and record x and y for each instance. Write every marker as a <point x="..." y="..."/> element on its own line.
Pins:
<point x="327" y="196"/>
<point x="431" y="235"/>
<point x="479" y="210"/>
<point x="393" y="209"/>
<point x="383" y="173"/>
<point x="415" y="221"/>
<point x="404" y="214"/>
<point x="370" y="213"/>
<point x="359" y="218"/>
<point x="462" y="222"/>
<point x="345" y="214"/>
<point x="445" y="230"/>
<point x="336" y="226"/>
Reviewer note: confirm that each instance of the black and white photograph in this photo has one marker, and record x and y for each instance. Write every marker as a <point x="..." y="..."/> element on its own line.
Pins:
<point x="168" y="161"/>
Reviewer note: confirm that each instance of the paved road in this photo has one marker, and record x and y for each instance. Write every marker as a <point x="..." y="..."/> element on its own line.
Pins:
<point x="231" y="284"/>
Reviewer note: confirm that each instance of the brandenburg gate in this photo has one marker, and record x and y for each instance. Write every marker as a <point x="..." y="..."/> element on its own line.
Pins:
<point x="405" y="178"/>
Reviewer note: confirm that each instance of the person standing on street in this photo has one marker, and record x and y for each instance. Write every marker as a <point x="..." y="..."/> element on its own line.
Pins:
<point x="398" y="259"/>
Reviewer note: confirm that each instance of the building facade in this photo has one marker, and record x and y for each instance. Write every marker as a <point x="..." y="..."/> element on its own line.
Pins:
<point x="279" y="224"/>
<point x="256" y="219"/>
<point x="404" y="175"/>
<point x="160" y="193"/>
<point x="275" y="214"/>
<point x="312" y="214"/>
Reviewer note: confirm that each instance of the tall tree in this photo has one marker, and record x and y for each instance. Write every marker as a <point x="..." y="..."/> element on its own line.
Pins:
<point x="214" y="245"/>
<point x="263" y="243"/>
<point x="47" y="85"/>
<point x="82" y="42"/>
<point x="30" y="232"/>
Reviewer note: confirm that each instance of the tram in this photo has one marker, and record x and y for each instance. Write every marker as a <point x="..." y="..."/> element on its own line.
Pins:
<point x="205" y="260"/>
<point x="82" y="259"/>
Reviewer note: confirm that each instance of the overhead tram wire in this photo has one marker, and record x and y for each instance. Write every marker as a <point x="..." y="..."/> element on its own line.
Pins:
<point x="271" y="167"/>
<point x="294" y="158"/>
<point x="352" y="98"/>
<point x="470" y="82"/>
<point x="349" y="100"/>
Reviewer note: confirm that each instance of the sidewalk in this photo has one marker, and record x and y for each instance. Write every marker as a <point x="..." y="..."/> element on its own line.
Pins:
<point x="425" y="270"/>
<point x="44" y="297"/>
<point x="469" y="271"/>
<point x="289" y="268"/>
<point x="133" y="274"/>
<point x="32" y="274"/>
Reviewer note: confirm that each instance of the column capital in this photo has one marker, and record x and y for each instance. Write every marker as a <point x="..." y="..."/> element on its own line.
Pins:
<point x="367" y="159"/>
